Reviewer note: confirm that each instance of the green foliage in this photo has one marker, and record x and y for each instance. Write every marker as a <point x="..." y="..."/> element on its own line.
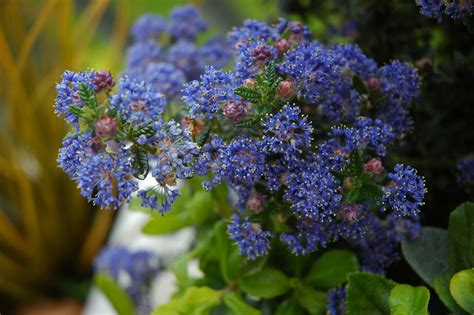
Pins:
<point x="428" y="254"/>
<point x="87" y="96"/>
<point x="250" y="95"/>
<point x="462" y="289"/>
<point x="188" y="209"/>
<point x="140" y="163"/>
<point x="331" y="268"/>
<point x="289" y="307"/>
<point x="266" y="283"/>
<point x="312" y="300"/>
<point x="196" y="301"/>
<point x="238" y="306"/>
<point x="359" y="85"/>
<point x="367" y="294"/>
<point x="230" y="259"/>
<point x="441" y="286"/>
<point x="115" y="294"/>
<point x="461" y="237"/>
<point x="407" y="300"/>
<point x="246" y="123"/>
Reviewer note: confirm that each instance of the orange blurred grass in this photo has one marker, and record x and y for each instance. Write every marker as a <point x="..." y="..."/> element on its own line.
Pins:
<point x="46" y="227"/>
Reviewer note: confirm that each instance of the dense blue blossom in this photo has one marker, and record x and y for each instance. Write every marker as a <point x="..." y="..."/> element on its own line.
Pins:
<point x="165" y="78"/>
<point x="287" y="131"/>
<point x="207" y="97"/>
<point x="67" y="91"/>
<point x="184" y="55"/>
<point x="141" y="54"/>
<point x="148" y="27"/>
<point x="405" y="191"/>
<point x="185" y="23"/>
<point x="431" y="8"/>
<point x="106" y="179"/>
<point x="466" y="171"/>
<point x="137" y="102"/>
<point x="252" y="241"/>
<point x="352" y="59"/>
<point x="215" y="52"/>
<point x="310" y="235"/>
<point x="336" y="301"/>
<point x="252" y="30"/>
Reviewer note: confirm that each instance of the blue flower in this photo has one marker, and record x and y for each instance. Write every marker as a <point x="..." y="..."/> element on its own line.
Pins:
<point x="431" y="8"/>
<point x="252" y="30"/>
<point x="252" y="241"/>
<point x="336" y="301"/>
<point x="67" y="91"/>
<point x="287" y="131"/>
<point x="405" y="192"/>
<point x="185" y="23"/>
<point x="184" y="55"/>
<point x="148" y="27"/>
<point x="141" y="54"/>
<point x="350" y="58"/>
<point x="137" y="102"/>
<point x="164" y="78"/>
<point x="215" y="52"/>
<point x="207" y="97"/>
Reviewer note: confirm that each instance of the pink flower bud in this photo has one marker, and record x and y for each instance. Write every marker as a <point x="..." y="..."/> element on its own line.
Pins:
<point x="106" y="127"/>
<point x="374" y="167"/>
<point x="256" y="202"/>
<point x="286" y="88"/>
<point x="103" y="81"/>
<point x="235" y="110"/>
<point x="261" y="52"/>
<point x="282" y="46"/>
<point x="373" y="84"/>
<point x="250" y="83"/>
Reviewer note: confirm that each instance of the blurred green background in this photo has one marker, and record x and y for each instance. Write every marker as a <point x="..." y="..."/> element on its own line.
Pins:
<point x="48" y="233"/>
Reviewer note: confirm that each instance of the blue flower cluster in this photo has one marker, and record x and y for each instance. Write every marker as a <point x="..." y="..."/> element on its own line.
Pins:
<point x="165" y="53"/>
<point x="298" y="131"/>
<point x="336" y="301"/>
<point x="132" y="270"/>
<point x="456" y="9"/>
<point x="120" y="139"/>
<point x="325" y="184"/>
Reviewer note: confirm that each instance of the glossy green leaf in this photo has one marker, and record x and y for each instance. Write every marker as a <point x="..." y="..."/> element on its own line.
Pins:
<point x="462" y="289"/>
<point x="115" y="294"/>
<point x="196" y="301"/>
<point x="238" y="306"/>
<point x="331" y="269"/>
<point x="461" y="238"/>
<point x="289" y="307"/>
<point x="266" y="283"/>
<point x="407" y="300"/>
<point x="428" y="254"/>
<point x="441" y="286"/>
<point x="367" y="294"/>
<point x="312" y="300"/>
<point x="229" y="258"/>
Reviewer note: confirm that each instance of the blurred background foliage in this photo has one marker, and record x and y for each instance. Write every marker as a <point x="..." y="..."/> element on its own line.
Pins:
<point x="48" y="233"/>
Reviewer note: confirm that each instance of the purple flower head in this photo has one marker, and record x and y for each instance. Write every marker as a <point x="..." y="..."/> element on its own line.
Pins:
<point x="252" y="241"/>
<point x="185" y="23"/>
<point x="148" y="27"/>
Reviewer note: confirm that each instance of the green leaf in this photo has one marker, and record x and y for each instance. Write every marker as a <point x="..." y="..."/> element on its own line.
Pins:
<point x="407" y="300"/>
<point x="331" y="269"/>
<point x="115" y="294"/>
<point x="229" y="257"/>
<point x="87" y="96"/>
<point x="248" y="94"/>
<point x="441" y="286"/>
<point x="270" y="75"/>
<point x="238" y="306"/>
<point x="462" y="289"/>
<point x="246" y="123"/>
<point x="461" y="238"/>
<point x="196" y="301"/>
<point x="200" y="207"/>
<point x="289" y="307"/>
<point x="140" y="163"/>
<point x="267" y="283"/>
<point x="428" y="254"/>
<point x="367" y="294"/>
<point x="79" y="112"/>
<point x="203" y="136"/>
<point x="313" y="301"/>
